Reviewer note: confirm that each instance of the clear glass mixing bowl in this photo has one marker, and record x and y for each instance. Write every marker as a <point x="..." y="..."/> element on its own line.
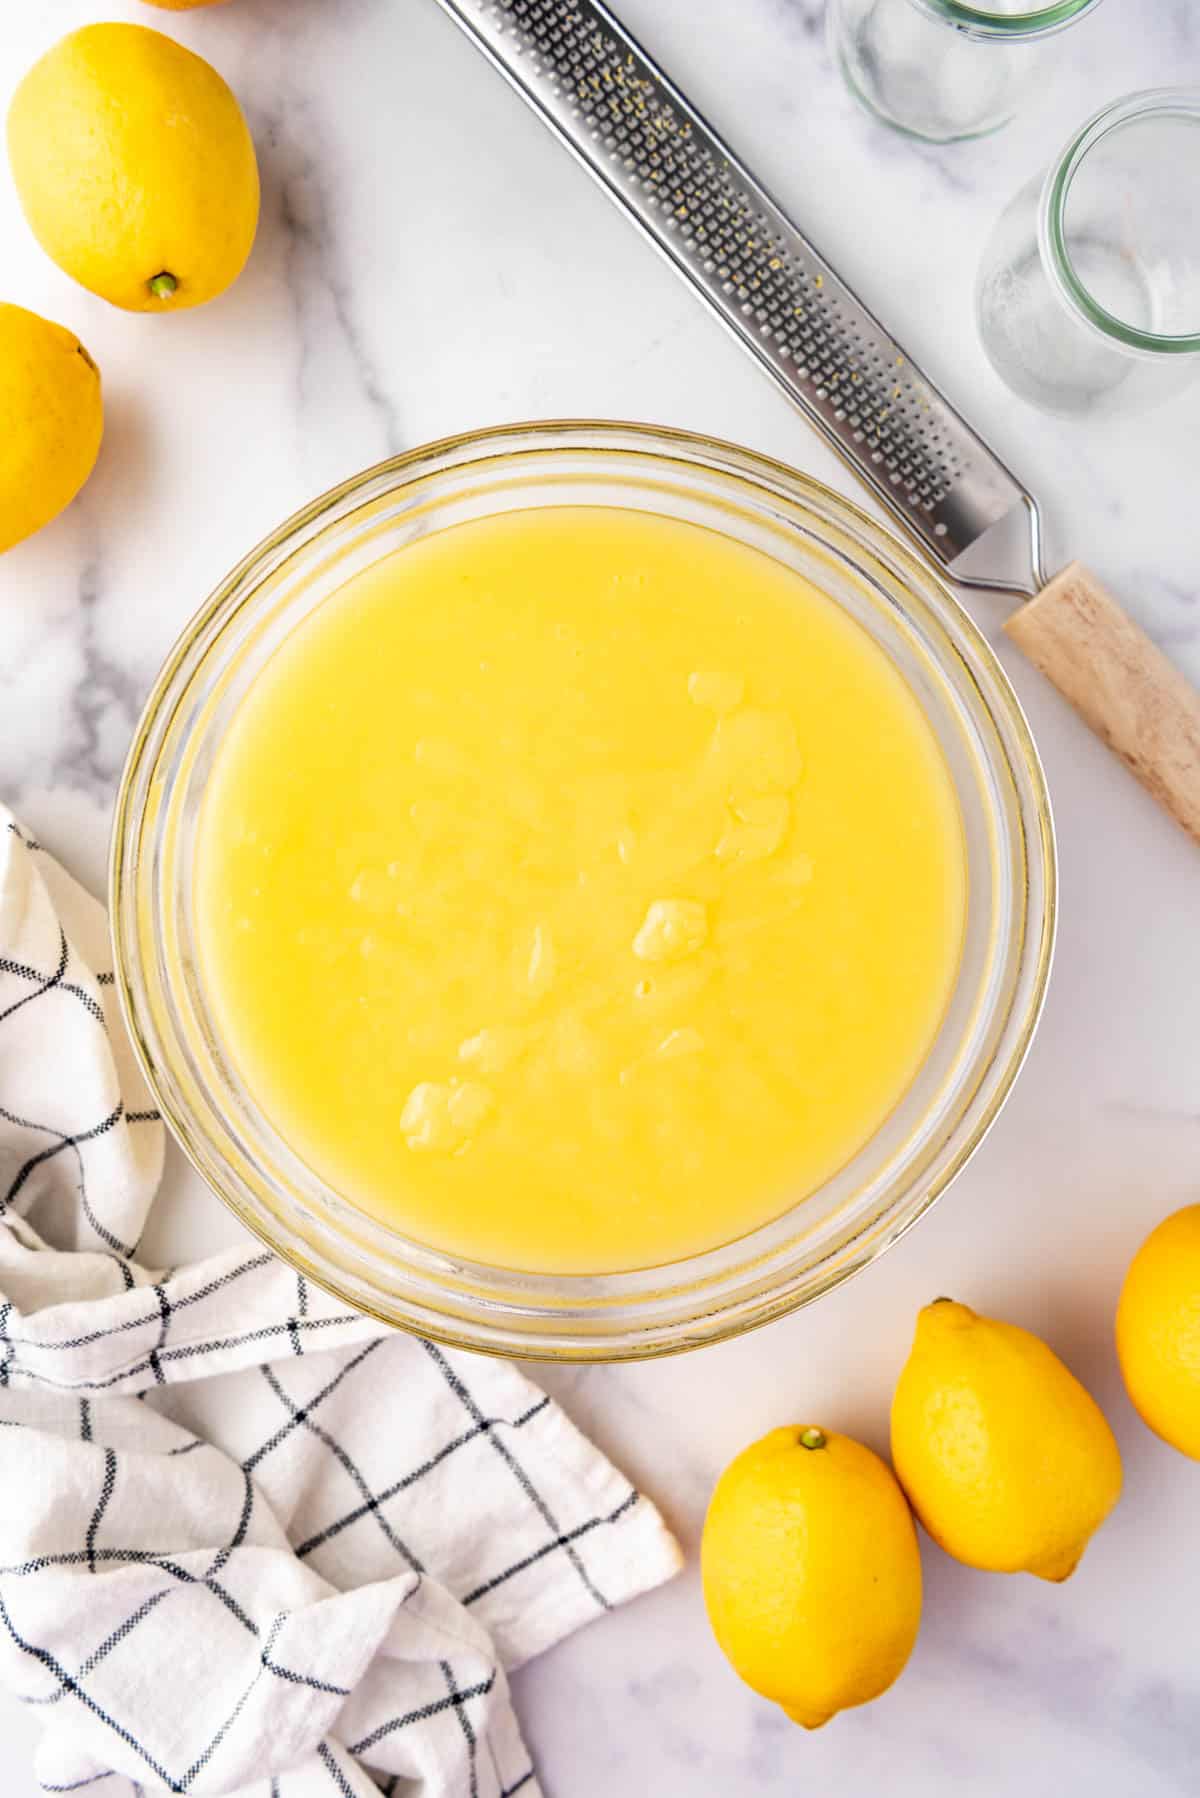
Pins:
<point x="828" y="1234"/>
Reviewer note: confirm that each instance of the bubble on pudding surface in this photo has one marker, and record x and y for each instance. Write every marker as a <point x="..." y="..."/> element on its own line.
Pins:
<point x="756" y="752"/>
<point x="442" y="1116"/>
<point x="718" y="693"/>
<point x="494" y="1048"/>
<point x="758" y="828"/>
<point x="470" y="1104"/>
<point x="671" y="930"/>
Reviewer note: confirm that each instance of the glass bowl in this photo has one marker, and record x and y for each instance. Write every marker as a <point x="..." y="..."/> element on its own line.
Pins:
<point x="827" y="1235"/>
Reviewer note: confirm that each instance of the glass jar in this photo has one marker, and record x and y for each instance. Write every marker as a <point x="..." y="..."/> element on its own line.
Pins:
<point x="940" y="69"/>
<point x="1088" y="295"/>
<point x="826" y="1235"/>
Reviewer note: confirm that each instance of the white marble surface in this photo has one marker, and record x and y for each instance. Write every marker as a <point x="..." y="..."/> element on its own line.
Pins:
<point x="429" y="260"/>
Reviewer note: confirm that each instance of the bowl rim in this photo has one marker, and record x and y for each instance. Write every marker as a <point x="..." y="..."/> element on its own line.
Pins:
<point x="851" y="1250"/>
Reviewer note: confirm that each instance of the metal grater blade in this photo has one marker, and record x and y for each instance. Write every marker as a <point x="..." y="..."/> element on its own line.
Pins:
<point x="651" y="150"/>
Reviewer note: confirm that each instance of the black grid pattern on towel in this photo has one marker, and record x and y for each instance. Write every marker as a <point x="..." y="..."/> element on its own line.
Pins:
<point x="34" y="985"/>
<point x="502" y="1437"/>
<point x="357" y="1500"/>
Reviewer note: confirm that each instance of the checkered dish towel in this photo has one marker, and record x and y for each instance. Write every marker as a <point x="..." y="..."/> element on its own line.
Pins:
<point x="250" y="1542"/>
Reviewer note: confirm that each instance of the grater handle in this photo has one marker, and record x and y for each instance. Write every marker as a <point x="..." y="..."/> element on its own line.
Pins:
<point x="1134" y="699"/>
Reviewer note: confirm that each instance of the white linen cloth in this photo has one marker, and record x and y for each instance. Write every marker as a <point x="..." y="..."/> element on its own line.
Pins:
<point x="250" y="1543"/>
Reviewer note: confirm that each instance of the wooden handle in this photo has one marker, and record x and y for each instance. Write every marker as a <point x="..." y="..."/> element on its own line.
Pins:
<point x="1119" y="683"/>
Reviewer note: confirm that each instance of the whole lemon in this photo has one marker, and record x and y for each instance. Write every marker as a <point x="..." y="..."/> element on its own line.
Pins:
<point x="135" y="167"/>
<point x="1158" y="1330"/>
<point x="812" y="1573"/>
<point x="51" y="421"/>
<point x="1007" y="1461"/>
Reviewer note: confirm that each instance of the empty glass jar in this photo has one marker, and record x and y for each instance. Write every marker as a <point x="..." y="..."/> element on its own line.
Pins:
<point x="940" y="69"/>
<point x="1088" y="295"/>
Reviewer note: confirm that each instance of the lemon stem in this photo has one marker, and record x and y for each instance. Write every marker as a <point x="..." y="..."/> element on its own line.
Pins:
<point x="162" y="286"/>
<point x="943" y="1300"/>
<point x="813" y="1438"/>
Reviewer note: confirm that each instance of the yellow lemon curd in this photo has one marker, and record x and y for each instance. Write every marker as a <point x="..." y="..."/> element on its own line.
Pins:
<point x="576" y="889"/>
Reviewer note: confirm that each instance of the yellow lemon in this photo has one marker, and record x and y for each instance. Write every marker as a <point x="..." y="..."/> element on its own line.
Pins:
<point x="1007" y="1461"/>
<point x="135" y="168"/>
<point x="51" y="421"/>
<point x="1158" y="1330"/>
<point x="812" y="1574"/>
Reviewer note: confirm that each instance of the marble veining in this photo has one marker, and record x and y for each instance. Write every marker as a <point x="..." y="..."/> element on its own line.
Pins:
<point x="429" y="260"/>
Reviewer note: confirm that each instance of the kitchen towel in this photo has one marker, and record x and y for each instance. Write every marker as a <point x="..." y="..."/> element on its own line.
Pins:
<point x="251" y="1542"/>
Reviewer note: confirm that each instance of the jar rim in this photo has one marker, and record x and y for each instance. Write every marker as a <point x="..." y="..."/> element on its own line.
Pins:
<point x="703" y="1298"/>
<point x="1013" y="27"/>
<point x="1149" y="103"/>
